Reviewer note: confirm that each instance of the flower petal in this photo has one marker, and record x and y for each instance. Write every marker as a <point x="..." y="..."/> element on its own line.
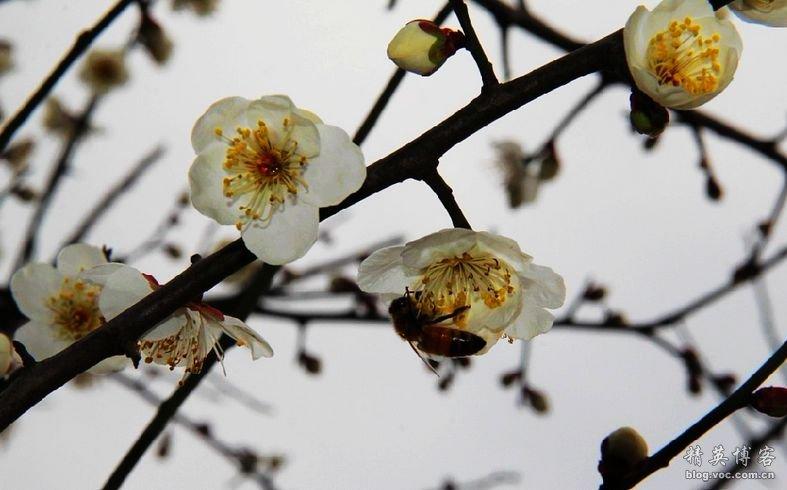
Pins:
<point x="6" y="354"/>
<point x="122" y="289"/>
<point x="504" y="248"/>
<point x="206" y="180"/>
<point x="449" y="242"/>
<point x="110" y="365"/>
<point x="273" y="110"/>
<point x="225" y="114"/>
<point x="32" y="286"/>
<point x="169" y="327"/>
<point x="543" y="286"/>
<point x="79" y="257"/>
<point x="288" y="236"/>
<point x="532" y="320"/>
<point x="246" y="337"/>
<point x="39" y="340"/>
<point x="337" y="171"/>
<point x="383" y="272"/>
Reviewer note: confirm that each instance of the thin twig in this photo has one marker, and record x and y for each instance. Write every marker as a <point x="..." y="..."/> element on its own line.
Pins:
<point x="242" y="306"/>
<point x="474" y="45"/>
<point x="123" y="186"/>
<point x="446" y="196"/>
<point x="396" y="79"/>
<point x="233" y="455"/>
<point x="81" y="44"/>
<point x="738" y="399"/>
<point x="776" y="430"/>
<point x="81" y="127"/>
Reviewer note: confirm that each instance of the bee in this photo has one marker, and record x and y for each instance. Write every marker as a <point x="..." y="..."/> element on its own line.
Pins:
<point x="430" y="337"/>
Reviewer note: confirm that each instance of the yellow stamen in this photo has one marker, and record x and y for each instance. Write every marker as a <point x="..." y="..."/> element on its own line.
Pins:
<point x="681" y="57"/>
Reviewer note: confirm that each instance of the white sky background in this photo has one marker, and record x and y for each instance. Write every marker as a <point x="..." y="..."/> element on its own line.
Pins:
<point x="636" y="221"/>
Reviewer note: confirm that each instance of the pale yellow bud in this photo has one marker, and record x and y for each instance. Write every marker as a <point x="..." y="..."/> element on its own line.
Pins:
<point x="422" y="47"/>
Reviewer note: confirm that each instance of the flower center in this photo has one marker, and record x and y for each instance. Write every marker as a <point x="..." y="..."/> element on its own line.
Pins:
<point x="259" y="173"/>
<point x="682" y="57"/>
<point x="454" y="282"/>
<point x="75" y="309"/>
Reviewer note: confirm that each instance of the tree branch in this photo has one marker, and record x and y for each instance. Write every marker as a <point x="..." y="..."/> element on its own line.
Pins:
<point x="446" y="196"/>
<point x="413" y="160"/>
<point x="396" y="79"/>
<point x="81" y="127"/>
<point x="740" y="398"/>
<point x="113" y="194"/>
<point x="474" y="45"/>
<point x="81" y="44"/>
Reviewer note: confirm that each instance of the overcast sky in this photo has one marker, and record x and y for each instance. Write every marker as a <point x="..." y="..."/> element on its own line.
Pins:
<point x="638" y="222"/>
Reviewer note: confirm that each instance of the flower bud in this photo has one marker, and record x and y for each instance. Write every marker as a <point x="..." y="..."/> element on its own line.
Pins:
<point x="647" y="117"/>
<point x="17" y="155"/>
<point x="58" y="119"/>
<point x="550" y="163"/>
<point x="104" y="70"/>
<point x="621" y="451"/>
<point x="771" y="400"/>
<point x="9" y="359"/>
<point x="200" y="7"/>
<point x="155" y="41"/>
<point x="6" y="61"/>
<point x="422" y="47"/>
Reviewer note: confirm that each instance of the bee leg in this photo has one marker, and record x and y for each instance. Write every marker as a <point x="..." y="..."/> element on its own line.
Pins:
<point x="455" y="313"/>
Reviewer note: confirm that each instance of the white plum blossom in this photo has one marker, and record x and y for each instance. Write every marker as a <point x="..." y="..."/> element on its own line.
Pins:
<point x="188" y="335"/>
<point x="62" y="302"/>
<point x="267" y="167"/>
<point x="9" y="359"/>
<point x="422" y="47"/>
<point x="453" y="268"/>
<point x="767" y="12"/>
<point x="681" y="54"/>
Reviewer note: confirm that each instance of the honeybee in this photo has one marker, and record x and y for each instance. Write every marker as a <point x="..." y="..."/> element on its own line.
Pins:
<point x="429" y="337"/>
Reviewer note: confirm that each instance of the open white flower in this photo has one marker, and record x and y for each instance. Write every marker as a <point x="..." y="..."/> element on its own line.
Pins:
<point x="188" y="335"/>
<point x="267" y="167"/>
<point x="9" y="359"/>
<point x="62" y="302"/>
<point x="453" y="269"/>
<point x="767" y="12"/>
<point x="681" y="54"/>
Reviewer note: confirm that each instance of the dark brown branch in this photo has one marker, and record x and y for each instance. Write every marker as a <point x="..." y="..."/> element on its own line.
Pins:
<point x="775" y="431"/>
<point x="233" y="455"/>
<point x="474" y="44"/>
<point x="82" y="43"/>
<point x="414" y="160"/>
<point x="240" y="307"/>
<point x="81" y="127"/>
<point x="764" y="147"/>
<point x="506" y="16"/>
<point x="396" y="79"/>
<point x="738" y="399"/>
<point x="749" y="272"/>
<point x="446" y="196"/>
<point x="123" y="186"/>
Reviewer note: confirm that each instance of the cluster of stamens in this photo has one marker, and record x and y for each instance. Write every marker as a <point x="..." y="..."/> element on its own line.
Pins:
<point x="75" y="309"/>
<point x="189" y="345"/>
<point x="682" y="57"/>
<point x="451" y="283"/>
<point x="259" y="173"/>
